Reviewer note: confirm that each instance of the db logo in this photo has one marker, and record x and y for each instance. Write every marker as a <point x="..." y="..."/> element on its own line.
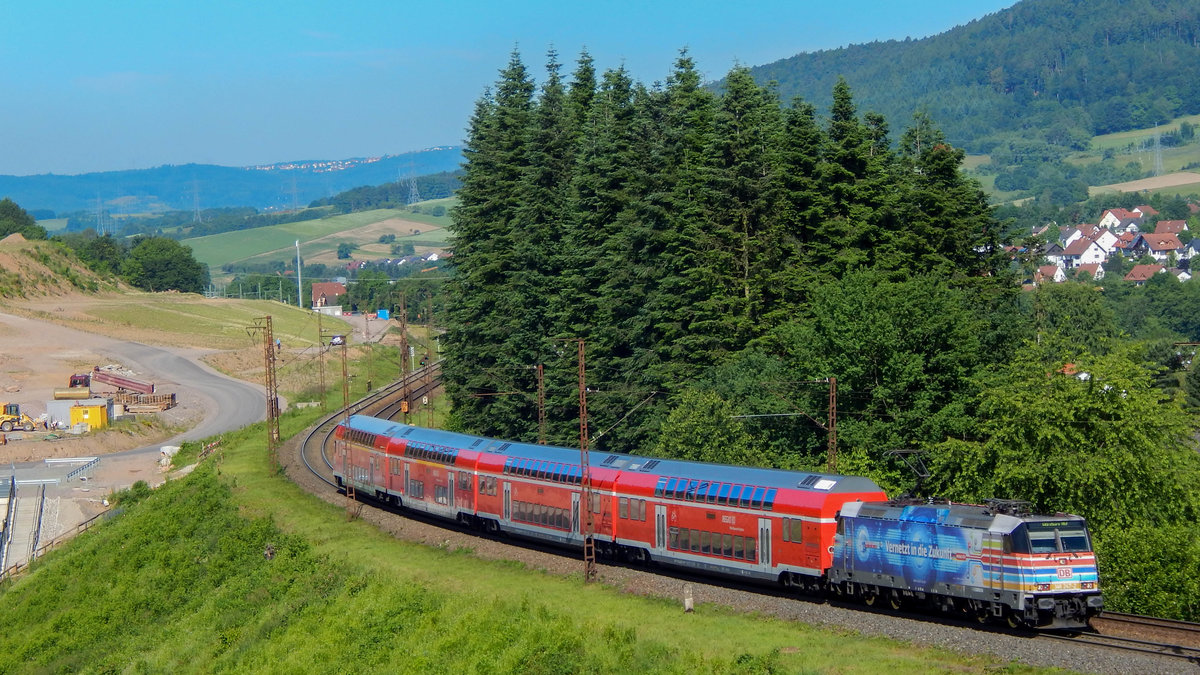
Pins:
<point x="1064" y="573"/>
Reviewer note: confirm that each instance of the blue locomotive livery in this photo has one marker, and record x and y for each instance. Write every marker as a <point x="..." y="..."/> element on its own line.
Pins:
<point x="989" y="562"/>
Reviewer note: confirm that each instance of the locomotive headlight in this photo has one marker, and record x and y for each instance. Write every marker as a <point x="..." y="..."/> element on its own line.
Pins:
<point x="1043" y="587"/>
<point x="1087" y="585"/>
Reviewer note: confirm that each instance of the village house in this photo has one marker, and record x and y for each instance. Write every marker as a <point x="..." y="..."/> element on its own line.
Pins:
<point x="1158" y="246"/>
<point x="1094" y="270"/>
<point x="1083" y="251"/>
<point x="1142" y="273"/>
<point x="1121" y="220"/>
<point x="327" y="293"/>
<point x="1170" y="227"/>
<point x="1049" y="274"/>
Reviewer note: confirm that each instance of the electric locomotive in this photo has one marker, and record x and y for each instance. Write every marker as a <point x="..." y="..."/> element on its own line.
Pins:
<point x="996" y="561"/>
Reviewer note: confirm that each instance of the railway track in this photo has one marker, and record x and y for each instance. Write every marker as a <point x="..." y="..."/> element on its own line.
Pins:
<point x="384" y="402"/>
<point x="1188" y="654"/>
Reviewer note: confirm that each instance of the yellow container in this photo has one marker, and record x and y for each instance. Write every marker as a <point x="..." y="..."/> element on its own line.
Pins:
<point x="95" y="416"/>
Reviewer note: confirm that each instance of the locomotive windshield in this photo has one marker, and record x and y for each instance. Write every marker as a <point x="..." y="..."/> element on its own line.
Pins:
<point x="1059" y="536"/>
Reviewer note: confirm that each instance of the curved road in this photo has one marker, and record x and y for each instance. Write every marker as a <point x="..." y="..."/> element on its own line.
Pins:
<point x="233" y="403"/>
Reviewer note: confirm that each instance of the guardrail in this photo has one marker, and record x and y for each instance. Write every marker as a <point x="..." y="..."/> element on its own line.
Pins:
<point x="14" y="570"/>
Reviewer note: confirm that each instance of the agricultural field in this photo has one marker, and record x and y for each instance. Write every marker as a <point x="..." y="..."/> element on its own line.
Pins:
<point x="319" y="239"/>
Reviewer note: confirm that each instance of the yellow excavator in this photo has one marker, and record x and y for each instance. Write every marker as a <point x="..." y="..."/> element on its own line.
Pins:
<point x="13" y="418"/>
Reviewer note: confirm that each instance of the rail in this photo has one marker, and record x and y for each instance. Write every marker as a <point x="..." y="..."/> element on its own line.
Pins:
<point x="6" y="526"/>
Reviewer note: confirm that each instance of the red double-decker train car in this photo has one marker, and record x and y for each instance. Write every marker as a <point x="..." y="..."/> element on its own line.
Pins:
<point x="747" y="522"/>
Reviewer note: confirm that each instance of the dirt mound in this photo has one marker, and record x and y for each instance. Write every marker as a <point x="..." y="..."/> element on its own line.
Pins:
<point x="14" y="238"/>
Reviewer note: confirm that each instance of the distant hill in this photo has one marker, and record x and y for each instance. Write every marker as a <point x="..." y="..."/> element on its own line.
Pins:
<point x="1066" y="69"/>
<point x="188" y="186"/>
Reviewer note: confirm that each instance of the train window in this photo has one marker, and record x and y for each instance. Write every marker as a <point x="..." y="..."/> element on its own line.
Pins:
<point x="556" y="472"/>
<point x="723" y="495"/>
<point x="737" y="548"/>
<point x="734" y="492"/>
<point x="623" y="507"/>
<point x="785" y="528"/>
<point x="705" y="538"/>
<point x="642" y="509"/>
<point x="769" y="500"/>
<point x="1074" y="541"/>
<point x="660" y="487"/>
<point x="596" y="503"/>
<point x="673" y="542"/>
<point x="747" y="492"/>
<point x="693" y="485"/>
<point x="670" y="489"/>
<point x="727" y="545"/>
<point x="684" y="538"/>
<point x="710" y="495"/>
<point x="757" y="500"/>
<point x="751" y="549"/>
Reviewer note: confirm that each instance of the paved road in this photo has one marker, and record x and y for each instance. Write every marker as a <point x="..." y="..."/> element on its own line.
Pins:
<point x="229" y="403"/>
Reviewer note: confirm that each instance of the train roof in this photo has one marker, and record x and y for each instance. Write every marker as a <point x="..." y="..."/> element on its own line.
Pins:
<point x="961" y="515"/>
<point x="651" y="466"/>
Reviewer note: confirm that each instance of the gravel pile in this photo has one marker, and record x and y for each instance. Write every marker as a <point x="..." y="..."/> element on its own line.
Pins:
<point x="928" y="631"/>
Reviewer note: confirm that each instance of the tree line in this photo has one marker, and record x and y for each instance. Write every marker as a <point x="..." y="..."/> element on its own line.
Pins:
<point x="723" y="257"/>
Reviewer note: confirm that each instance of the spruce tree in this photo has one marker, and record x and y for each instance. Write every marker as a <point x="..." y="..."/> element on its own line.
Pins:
<point x="484" y="310"/>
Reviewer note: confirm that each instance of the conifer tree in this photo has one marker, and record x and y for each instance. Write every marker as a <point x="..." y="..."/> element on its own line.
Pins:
<point x="484" y="311"/>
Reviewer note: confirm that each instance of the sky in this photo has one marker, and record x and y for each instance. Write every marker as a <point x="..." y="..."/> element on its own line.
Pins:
<point x="111" y="85"/>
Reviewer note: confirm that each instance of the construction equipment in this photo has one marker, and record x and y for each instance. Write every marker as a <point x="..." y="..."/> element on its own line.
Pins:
<point x="13" y="418"/>
<point x="81" y="380"/>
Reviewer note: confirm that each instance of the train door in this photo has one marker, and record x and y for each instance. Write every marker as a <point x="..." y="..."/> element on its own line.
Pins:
<point x="404" y="488"/>
<point x="764" y="543"/>
<point x="575" y="524"/>
<point x="450" y="487"/>
<point x="507" y="500"/>
<point x="660" y="528"/>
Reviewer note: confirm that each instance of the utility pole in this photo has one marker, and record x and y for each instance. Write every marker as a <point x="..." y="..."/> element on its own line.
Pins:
<point x="541" y="403"/>
<point x="404" y="355"/>
<point x="589" y="523"/>
<point x="263" y="326"/>
<point x="299" y="286"/>
<point x="427" y="400"/>
<point x="832" y="428"/>
<point x="321" y="359"/>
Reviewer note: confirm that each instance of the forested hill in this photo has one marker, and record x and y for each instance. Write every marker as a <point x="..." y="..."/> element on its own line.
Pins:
<point x="205" y="186"/>
<point x="1069" y="68"/>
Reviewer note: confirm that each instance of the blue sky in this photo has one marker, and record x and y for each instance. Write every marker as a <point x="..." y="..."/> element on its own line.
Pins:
<point x="104" y="85"/>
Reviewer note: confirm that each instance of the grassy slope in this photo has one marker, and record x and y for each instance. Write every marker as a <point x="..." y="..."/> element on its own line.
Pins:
<point x="180" y="583"/>
<point x="192" y="320"/>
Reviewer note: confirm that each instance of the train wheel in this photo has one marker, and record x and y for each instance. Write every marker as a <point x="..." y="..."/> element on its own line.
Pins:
<point x="894" y="600"/>
<point x="1013" y="619"/>
<point x="869" y="598"/>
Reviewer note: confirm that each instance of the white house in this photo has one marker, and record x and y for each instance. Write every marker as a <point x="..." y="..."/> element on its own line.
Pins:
<point x="1160" y="246"/>
<point x="1083" y="251"/>
<point x="1120" y="219"/>
<point x="1049" y="274"/>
